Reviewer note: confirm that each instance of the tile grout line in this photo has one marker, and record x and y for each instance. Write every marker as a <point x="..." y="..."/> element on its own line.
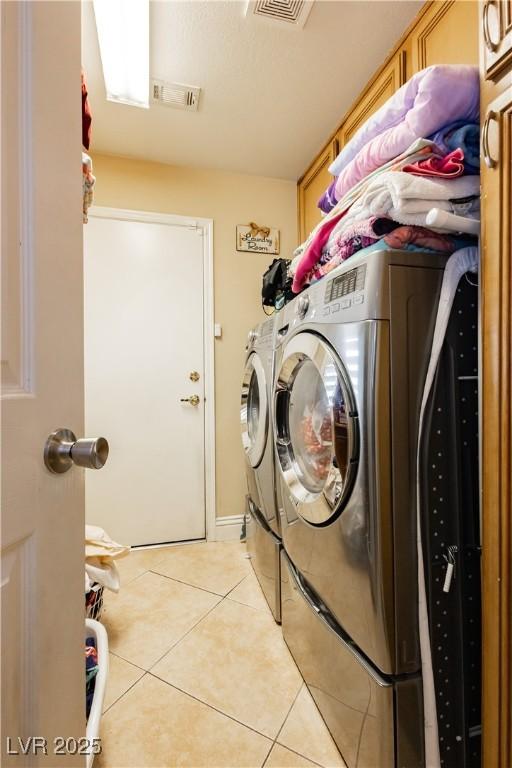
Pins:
<point x="185" y="583"/>
<point x="214" y="594"/>
<point x="130" y="581"/>
<point x="266" y="611"/>
<point x="173" y="646"/>
<point x="289" y="711"/>
<point x="210" y="706"/>
<point x="236" y="585"/>
<point x="124" y="692"/>
<point x="149" y="672"/>
<point x="233" y="600"/>
<point x="267" y="755"/>
<point x="273" y="742"/>
<point x="305" y="684"/>
<point x="182" y="581"/>
<point x="122" y="658"/>
<point x="299" y="754"/>
<point x="219" y="711"/>
<point x="284" y="723"/>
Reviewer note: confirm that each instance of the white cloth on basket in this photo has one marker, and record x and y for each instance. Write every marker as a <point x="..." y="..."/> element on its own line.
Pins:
<point x="99" y="544"/>
<point x="100" y="553"/>
<point x="102" y="572"/>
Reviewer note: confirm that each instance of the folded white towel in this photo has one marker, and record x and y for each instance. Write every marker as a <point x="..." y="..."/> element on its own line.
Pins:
<point x="408" y="193"/>
<point x="407" y="199"/>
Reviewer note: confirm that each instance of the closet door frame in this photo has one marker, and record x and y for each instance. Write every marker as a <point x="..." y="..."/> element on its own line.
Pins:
<point x="496" y="335"/>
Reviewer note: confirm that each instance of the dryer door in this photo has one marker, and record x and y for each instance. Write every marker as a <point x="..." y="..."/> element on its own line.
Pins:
<point x="254" y="410"/>
<point x="316" y="428"/>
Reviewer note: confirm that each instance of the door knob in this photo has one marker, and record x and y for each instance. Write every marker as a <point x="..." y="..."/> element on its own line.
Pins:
<point x="193" y="400"/>
<point x="62" y="450"/>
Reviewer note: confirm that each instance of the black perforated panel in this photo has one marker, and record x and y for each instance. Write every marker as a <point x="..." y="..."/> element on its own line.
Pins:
<point x="451" y="518"/>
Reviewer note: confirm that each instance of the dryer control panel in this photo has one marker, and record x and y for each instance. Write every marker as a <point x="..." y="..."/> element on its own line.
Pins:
<point x="345" y="284"/>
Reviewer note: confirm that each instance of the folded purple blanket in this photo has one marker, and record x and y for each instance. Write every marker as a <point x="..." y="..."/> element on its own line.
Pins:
<point x="433" y="98"/>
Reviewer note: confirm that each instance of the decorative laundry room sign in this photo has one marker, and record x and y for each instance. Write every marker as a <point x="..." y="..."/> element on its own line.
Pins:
<point x="257" y="239"/>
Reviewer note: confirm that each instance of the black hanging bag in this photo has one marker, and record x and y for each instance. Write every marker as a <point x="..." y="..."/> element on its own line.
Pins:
<point x="274" y="282"/>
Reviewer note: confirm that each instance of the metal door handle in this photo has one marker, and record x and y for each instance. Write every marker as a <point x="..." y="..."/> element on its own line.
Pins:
<point x="193" y="400"/>
<point x="489" y="42"/>
<point x="62" y="450"/>
<point x="488" y="158"/>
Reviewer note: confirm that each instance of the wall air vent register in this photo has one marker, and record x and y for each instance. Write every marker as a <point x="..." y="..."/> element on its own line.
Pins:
<point x="292" y="12"/>
<point x="175" y="95"/>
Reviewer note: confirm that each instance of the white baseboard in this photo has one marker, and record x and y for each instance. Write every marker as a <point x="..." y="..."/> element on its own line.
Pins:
<point x="228" y="528"/>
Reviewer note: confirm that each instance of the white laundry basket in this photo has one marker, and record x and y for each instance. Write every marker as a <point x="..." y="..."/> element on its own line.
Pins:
<point x="95" y="629"/>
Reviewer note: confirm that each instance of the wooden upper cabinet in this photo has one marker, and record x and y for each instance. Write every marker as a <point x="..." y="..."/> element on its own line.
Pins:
<point x="447" y="33"/>
<point x="311" y="187"/>
<point x="497" y="36"/>
<point x="317" y="178"/>
<point x="384" y="85"/>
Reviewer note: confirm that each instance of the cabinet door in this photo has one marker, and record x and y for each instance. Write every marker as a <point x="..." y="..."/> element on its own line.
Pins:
<point x="311" y="187"/>
<point x="497" y="36"/>
<point x="446" y="34"/>
<point x="379" y="91"/>
<point x="496" y="259"/>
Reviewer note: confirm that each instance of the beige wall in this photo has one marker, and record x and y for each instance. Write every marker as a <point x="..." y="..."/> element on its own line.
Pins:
<point x="229" y="199"/>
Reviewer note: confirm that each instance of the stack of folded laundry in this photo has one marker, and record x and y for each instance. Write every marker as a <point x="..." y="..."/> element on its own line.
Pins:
<point x="418" y="153"/>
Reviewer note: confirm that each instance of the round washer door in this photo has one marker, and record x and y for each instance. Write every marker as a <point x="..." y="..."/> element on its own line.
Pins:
<point x="254" y="410"/>
<point x="316" y="428"/>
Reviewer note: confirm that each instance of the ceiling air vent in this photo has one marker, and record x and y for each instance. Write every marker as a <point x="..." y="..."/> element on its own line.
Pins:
<point x="293" y="12"/>
<point x="175" y="95"/>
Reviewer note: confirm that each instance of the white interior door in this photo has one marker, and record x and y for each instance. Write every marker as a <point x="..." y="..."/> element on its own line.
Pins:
<point x="42" y="543"/>
<point x="143" y="340"/>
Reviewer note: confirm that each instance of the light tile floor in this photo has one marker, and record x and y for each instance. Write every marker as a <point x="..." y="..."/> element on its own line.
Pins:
<point x="199" y="673"/>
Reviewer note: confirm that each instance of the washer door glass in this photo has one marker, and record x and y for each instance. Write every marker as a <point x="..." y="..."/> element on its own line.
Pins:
<point x="254" y="410"/>
<point x="316" y="428"/>
<point x="311" y="426"/>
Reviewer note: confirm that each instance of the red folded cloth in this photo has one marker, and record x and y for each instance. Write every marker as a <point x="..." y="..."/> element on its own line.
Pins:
<point x="86" y="114"/>
<point x="448" y="167"/>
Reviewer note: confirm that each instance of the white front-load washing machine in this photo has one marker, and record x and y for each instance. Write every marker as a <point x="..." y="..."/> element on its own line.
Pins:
<point x="262" y="520"/>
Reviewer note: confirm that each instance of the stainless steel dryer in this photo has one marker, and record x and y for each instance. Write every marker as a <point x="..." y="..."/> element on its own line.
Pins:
<point x="351" y="356"/>
<point x="262" y="520"/>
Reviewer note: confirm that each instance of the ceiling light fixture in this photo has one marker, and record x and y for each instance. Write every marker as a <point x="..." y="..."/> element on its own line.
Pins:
<point x="123" y="36"/>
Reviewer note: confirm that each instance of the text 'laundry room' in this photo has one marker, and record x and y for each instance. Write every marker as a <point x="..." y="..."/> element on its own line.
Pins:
<point x="256" y="384"/>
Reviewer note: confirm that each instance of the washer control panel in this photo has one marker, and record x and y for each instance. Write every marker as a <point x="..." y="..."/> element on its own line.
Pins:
<point x="343" y="285"/>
